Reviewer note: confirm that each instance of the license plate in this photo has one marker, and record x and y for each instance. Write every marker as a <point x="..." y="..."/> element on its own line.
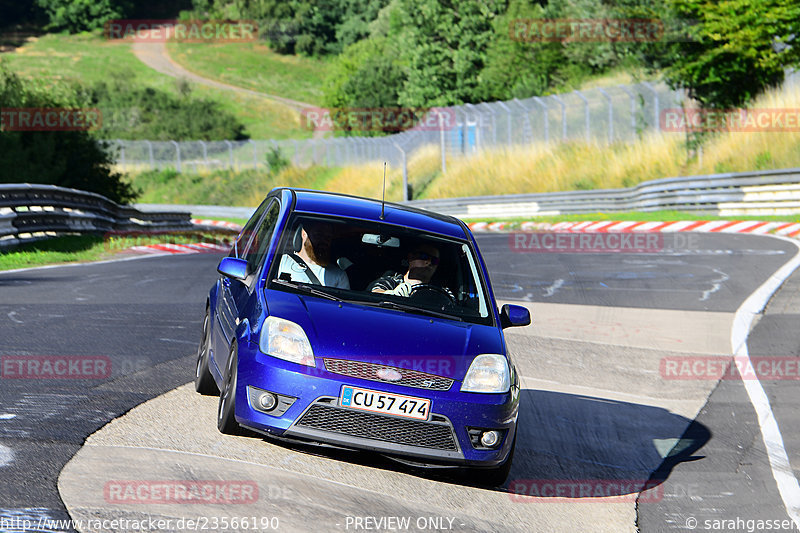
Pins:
<point x="384" y="402"/>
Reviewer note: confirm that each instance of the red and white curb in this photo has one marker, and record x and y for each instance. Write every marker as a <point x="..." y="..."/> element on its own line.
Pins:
<point x="788" y="229"/>
<point x="193" y="248"/>
<point x="217" y="223"/>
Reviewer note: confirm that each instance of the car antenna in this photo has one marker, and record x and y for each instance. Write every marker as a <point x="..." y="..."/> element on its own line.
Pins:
<point x="383" y="198"/>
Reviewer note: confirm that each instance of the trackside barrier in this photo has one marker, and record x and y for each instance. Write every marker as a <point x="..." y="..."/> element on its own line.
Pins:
<point x="759" y="193"/>
<point x="32" y="212"/>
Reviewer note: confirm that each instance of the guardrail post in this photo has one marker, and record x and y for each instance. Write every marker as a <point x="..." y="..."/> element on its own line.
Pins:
<point x="405" y="172"/>
<point x="610" y="115"/>
<point x="656" y="111"/>
<point x="255" y="153"/>
<point x="121" y="154"/>
<point x="230" y="155"/>
<point x="177" y="156"/>
<point x="508" y="114"/>
<point x="633" y="107"/>
<point x="563" y="116"/>
<point x="205" y="153"/>
<point x="150" y="152"/>
<point x="441" y="141"/>
<point x="545" y="118"/>
<point x="585" y="114"/>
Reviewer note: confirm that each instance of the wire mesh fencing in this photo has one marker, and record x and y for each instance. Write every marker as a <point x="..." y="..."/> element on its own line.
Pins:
<point x="605" y="115"/>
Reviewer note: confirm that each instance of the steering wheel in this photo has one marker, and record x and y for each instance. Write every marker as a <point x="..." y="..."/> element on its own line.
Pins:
<point x="435" y="289"/>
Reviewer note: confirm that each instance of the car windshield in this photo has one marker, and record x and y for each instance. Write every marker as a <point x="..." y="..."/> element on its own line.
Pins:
<point x="380" y="265"/>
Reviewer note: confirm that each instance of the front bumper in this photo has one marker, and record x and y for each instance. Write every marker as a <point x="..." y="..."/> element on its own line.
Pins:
<point x="316" y="416"/>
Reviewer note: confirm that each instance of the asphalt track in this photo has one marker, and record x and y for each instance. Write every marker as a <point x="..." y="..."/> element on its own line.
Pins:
<point x="597" y="406"/>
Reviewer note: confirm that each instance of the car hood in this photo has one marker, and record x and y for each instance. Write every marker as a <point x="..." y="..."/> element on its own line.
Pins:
<point x="385" y="336"/>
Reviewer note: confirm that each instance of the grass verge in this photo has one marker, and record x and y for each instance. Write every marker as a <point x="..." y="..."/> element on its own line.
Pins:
<point x="85" y="248"/>
<point x="89" y="58"/>
<point x="254" y="66"/>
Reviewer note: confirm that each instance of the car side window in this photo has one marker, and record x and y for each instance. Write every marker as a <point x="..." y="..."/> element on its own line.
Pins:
<point x="260" y="243"/>
<point x="247" y="231"/>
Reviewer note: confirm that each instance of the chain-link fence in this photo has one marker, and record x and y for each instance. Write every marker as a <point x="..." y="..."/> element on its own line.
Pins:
<point x="612" y="114"/>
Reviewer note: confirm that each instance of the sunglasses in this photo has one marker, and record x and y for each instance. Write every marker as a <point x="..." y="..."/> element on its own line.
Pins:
<point x="426" y="257"/>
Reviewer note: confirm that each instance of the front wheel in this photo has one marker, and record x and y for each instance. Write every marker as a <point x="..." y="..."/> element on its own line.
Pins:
<point x="203" y="380"/>
<point x="226" y="417"/>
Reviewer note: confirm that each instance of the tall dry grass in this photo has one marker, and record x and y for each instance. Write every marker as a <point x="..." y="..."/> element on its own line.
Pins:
<point x="581" y="165"/>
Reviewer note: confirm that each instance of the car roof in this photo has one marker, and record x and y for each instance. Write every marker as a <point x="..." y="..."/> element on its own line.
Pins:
<point x="328" y="203"/>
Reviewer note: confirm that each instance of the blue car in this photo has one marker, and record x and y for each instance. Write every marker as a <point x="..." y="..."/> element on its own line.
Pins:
<point x="356" y="323"/>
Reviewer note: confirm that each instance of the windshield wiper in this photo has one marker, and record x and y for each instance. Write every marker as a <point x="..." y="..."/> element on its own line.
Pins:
<point x="306" y="288"/>
<point x="387" y="304"/>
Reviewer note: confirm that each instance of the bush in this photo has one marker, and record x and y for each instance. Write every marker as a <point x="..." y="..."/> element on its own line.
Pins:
<point x="134" y="112"/>
<point x="276" y="160"/>
<point x="83" y="15"/>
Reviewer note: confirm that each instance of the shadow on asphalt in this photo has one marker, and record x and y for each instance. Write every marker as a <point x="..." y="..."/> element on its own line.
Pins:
<point x="568" y="446"/>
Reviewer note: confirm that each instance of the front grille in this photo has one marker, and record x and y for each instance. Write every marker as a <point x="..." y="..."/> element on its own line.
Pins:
<point x="369" y="371"/>
<point x="378" y="427"/>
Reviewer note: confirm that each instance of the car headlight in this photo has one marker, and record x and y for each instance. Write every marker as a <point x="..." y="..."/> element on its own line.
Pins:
<point x="487" y="373"/>
<point x="285" y="340"/>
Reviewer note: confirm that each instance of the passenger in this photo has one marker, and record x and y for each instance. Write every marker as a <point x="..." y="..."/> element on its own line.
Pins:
<point x="422" y="263"/>
<point x="311" y="263"/>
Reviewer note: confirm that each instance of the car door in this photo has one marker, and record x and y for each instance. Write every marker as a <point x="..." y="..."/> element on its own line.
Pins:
<point x="234" y="293"/>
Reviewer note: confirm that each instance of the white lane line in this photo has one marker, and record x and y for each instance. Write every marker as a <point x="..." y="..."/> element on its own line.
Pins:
<point x="6" y="456"/>
<point x="7" y="416"/>
<point x="551" y="290"/>
<point x="13" y="317"/>
<point x="776" y="451"/>
<point x="716" y="285"/>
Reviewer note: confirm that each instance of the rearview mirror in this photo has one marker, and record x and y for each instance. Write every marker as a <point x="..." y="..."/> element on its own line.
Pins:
<point x="514" y="315"/>
<point x="233" y="267"/>
<point x="380" y="240"/>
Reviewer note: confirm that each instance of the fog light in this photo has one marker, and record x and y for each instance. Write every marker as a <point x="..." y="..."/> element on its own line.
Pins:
<point x="490" y="438"/>
<point x="267" y="401"/>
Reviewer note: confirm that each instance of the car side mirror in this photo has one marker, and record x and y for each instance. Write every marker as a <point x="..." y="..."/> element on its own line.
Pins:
<point x="233" y="267"/>
<point x="514" y="315"/>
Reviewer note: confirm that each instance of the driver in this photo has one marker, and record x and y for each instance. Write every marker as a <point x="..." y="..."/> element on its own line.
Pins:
<point x="313" y="262"/>
<point x="422" y="262"/>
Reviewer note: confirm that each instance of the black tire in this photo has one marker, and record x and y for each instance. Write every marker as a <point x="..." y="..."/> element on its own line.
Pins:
<point x="226" y="418"/>
<point x="497" y="476"/>
<point x="203" y="380"/>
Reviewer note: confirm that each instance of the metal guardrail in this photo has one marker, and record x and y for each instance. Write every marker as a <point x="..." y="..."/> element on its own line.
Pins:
<point x="35" y="211"/>
<point x="30" y="212"/>
<point x="769" y="192"/>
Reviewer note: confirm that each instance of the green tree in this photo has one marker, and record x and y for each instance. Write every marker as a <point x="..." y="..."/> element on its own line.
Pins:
<point x="738" y="48"/>
<point x="366" y="75"/>
<point x="444" y="45"/>
<point x="82" y="15"/>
